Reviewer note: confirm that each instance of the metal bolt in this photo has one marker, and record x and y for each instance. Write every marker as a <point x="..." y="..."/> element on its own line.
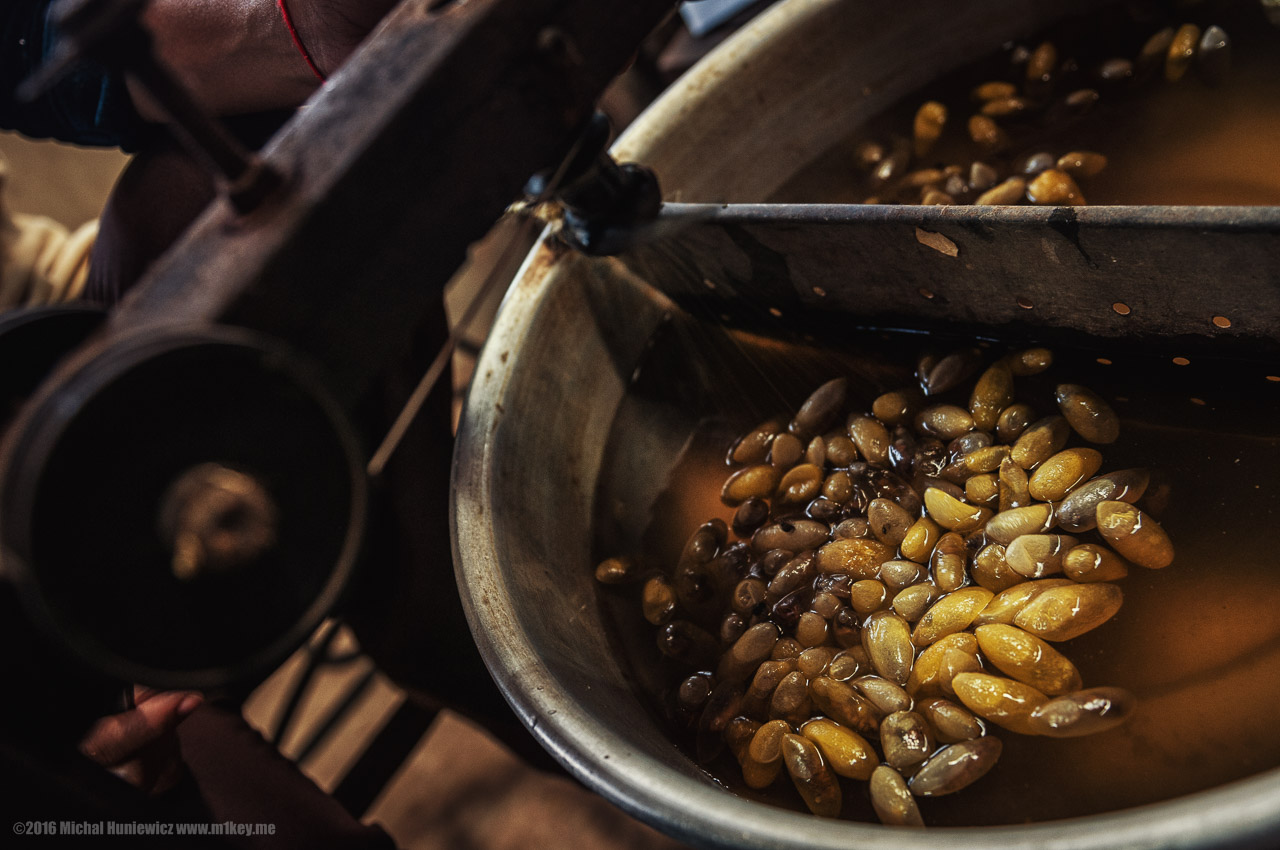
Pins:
<point x="216" y="520"/>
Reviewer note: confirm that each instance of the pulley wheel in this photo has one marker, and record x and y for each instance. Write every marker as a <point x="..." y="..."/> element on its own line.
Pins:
<point x="185" y="509"/>
<point x="32" y="341"/>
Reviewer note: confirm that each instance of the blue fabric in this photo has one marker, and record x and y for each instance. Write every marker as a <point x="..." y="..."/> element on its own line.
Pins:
<point x="90" y="106"/>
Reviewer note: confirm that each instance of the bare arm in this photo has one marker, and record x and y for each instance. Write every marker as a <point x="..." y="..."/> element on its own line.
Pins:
<point x="237" y="55"/>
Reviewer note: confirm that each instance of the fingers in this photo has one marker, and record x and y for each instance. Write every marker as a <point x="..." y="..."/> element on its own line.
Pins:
<point x="156" y="768"/>
<point x="115" y="739"/>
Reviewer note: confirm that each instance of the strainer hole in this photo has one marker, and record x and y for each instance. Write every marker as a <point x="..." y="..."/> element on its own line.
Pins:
<point x="1181" y="361"/>
<point x="1198" y="401"/>
<point x="707" y="283"/>
<point x="1121" y="308"/>
<point x="1025" y="303"/>
<point x="820" y="292"/>
<point x="775" y="312"/>
<point x="1221" y="322"/>
<point x="1104" y="361"/>
<point x="1274" y="378"/>
<point x="925" y="293"/>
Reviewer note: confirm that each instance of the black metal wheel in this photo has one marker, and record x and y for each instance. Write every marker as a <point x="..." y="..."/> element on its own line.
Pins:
<point x="183" y="508"/>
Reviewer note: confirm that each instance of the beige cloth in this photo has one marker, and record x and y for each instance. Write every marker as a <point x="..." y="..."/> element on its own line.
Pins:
<point x="41" y="261"/>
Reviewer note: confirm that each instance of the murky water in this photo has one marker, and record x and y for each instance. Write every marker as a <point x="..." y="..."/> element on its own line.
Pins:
<point x="1166" y="143"/>
<point x="1198" y="642"/>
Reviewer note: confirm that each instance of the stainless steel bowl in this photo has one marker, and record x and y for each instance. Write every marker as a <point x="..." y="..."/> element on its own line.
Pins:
<point x="554" y="379"/>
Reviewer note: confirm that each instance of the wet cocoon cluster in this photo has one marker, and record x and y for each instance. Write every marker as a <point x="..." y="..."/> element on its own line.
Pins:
<point x="992" y="156"/>
<point x="871" y="615"/>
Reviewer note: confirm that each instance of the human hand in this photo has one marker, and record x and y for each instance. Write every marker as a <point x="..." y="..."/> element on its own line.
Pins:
<point x="139" y="745"/>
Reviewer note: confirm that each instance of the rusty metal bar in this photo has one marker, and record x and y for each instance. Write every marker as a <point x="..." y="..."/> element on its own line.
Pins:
<point x="413" y="150"/>
<point x="1199" y="280"/>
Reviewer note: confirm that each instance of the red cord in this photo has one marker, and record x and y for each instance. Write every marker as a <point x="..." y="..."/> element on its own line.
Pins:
<point x="297" y="42"/>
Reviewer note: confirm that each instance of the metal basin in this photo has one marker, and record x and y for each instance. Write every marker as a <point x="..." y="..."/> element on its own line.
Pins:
<point x="553" y="393"/>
